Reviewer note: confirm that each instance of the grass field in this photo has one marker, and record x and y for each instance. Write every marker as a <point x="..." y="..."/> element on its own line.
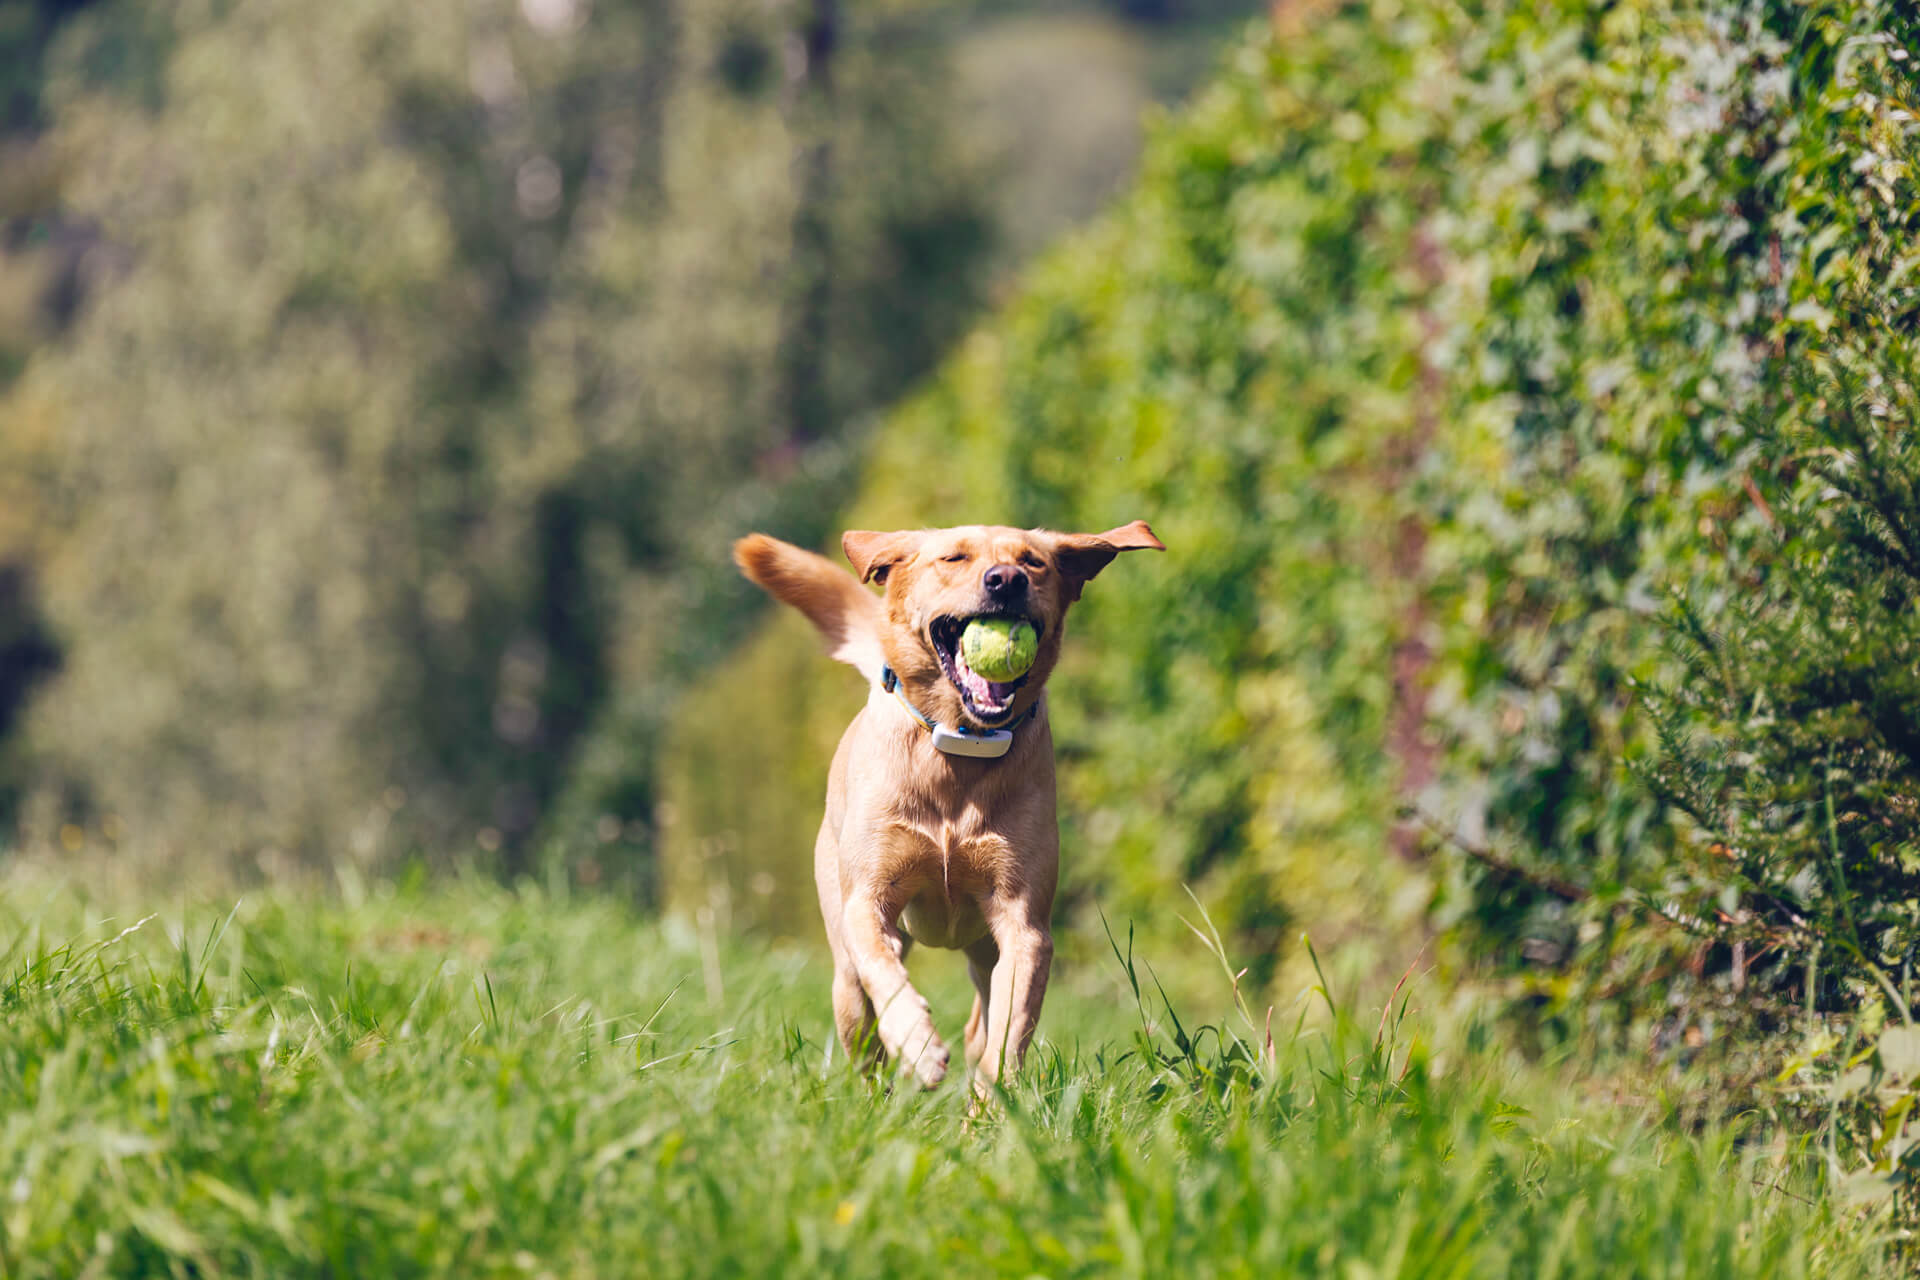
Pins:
<point x="456" y="1079"/>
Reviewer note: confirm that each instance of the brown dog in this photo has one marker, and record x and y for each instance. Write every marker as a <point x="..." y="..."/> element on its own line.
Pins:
<point x="940" y="812"/>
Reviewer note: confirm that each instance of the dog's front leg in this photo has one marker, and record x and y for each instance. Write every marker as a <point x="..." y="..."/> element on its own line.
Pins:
<point x="876" y="946"/>
<point x="1018" y="986"/>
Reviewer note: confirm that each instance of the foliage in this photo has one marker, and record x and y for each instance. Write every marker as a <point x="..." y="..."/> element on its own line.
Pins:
<point x="1788" y="735"/>
<point x="1121" y="384"/>
<point x="472" y="1081"/>
<point x="1442" y="345"/>
<point x="1860" y="1082"/>
<point x="410" y="368"/>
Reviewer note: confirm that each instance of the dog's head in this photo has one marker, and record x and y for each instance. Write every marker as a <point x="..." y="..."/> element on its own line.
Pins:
<point x="936" y="580"/>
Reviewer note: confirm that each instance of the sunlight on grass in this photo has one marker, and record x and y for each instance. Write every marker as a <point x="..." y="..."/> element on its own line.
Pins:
<point x="466" y="1080"/>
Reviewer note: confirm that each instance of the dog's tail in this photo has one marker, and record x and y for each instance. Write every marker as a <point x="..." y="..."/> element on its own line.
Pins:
<point x="847" y="614"/>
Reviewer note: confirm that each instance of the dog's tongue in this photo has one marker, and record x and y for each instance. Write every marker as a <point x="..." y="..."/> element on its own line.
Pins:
<point x="986" y="694"/>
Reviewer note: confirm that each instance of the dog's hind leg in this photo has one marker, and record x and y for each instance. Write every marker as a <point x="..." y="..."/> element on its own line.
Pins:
<point x="853" y="1019"/>
<point x="981" y="957"/>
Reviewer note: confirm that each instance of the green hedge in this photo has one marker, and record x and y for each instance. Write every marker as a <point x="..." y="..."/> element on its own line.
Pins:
<point x="1437" y="342"/>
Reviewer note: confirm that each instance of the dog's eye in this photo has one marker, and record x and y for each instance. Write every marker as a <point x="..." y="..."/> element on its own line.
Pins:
<point x="955" y="558"/>
<point x="1028" y="560"/>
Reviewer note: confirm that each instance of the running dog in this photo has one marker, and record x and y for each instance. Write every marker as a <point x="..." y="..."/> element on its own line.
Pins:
<point x="940" y="822"/>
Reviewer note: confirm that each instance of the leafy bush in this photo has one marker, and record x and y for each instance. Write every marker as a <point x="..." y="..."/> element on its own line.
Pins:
<point x="1442" y="346"/>
<point x="1788" y="734"/>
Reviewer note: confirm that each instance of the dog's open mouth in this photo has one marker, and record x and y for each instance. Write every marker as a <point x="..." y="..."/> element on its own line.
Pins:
<point x="989" y="701"/>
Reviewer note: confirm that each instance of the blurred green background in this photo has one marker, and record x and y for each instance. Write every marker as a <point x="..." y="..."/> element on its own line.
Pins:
<point x="381" y="386"/>
<point x="1525" y="391"/>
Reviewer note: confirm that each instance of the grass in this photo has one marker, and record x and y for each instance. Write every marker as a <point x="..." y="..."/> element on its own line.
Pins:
<point x="457" y="1079"/>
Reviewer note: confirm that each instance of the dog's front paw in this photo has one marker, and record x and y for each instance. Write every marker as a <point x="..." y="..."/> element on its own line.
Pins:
<point x="929" y="1063"/>
<point x="911" y="1041"/>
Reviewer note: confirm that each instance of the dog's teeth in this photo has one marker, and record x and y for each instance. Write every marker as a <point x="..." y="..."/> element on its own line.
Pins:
<point x="982" y="695"/>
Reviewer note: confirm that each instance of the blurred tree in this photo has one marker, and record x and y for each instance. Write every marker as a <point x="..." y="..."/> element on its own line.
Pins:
<point x="42" y="259"/>
<point x="381" y="387"/>
<point x="27" y="656"/>
<point x="805" y="330"/>
<point x="26" y="29"/>
<point x="441" y="344"/>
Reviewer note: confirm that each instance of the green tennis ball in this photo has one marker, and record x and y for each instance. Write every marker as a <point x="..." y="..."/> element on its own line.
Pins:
<point x="1000" y="649"/>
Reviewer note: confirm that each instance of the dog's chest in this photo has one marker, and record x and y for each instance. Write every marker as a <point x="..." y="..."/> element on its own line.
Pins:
<point x="951" y="869"/>
<point x="935" y="920"/>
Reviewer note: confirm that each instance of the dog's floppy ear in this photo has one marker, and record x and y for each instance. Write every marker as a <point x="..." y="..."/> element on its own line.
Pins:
<point x="1082" y="555"/>
<point x="873" y="555"/>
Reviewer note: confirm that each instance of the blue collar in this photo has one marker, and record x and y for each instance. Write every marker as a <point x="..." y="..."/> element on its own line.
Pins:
<point x="959" y="739"/>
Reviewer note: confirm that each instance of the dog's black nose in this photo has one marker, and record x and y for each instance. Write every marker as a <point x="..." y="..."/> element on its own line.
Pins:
<point x="1004" y="582"/>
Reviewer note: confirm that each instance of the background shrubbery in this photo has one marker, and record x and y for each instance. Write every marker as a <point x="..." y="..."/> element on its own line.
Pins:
<point x="1461" y="357"/>
<point x="1523" y="388"/>
<point x="381" y="387"/>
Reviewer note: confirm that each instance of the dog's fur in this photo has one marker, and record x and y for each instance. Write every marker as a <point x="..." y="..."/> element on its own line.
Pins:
<point x="922" y="846"/>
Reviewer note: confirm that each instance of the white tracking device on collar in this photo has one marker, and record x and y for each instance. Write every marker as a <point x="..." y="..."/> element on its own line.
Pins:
<point x="957" y="740"/>
<point x="981" y="744"/>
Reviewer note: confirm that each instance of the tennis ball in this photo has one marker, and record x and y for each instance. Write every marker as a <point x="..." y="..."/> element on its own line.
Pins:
<point x="1000" y="649"/>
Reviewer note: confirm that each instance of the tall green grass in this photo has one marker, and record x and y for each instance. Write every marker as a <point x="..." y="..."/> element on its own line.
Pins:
<point x="464" y="1080"/>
